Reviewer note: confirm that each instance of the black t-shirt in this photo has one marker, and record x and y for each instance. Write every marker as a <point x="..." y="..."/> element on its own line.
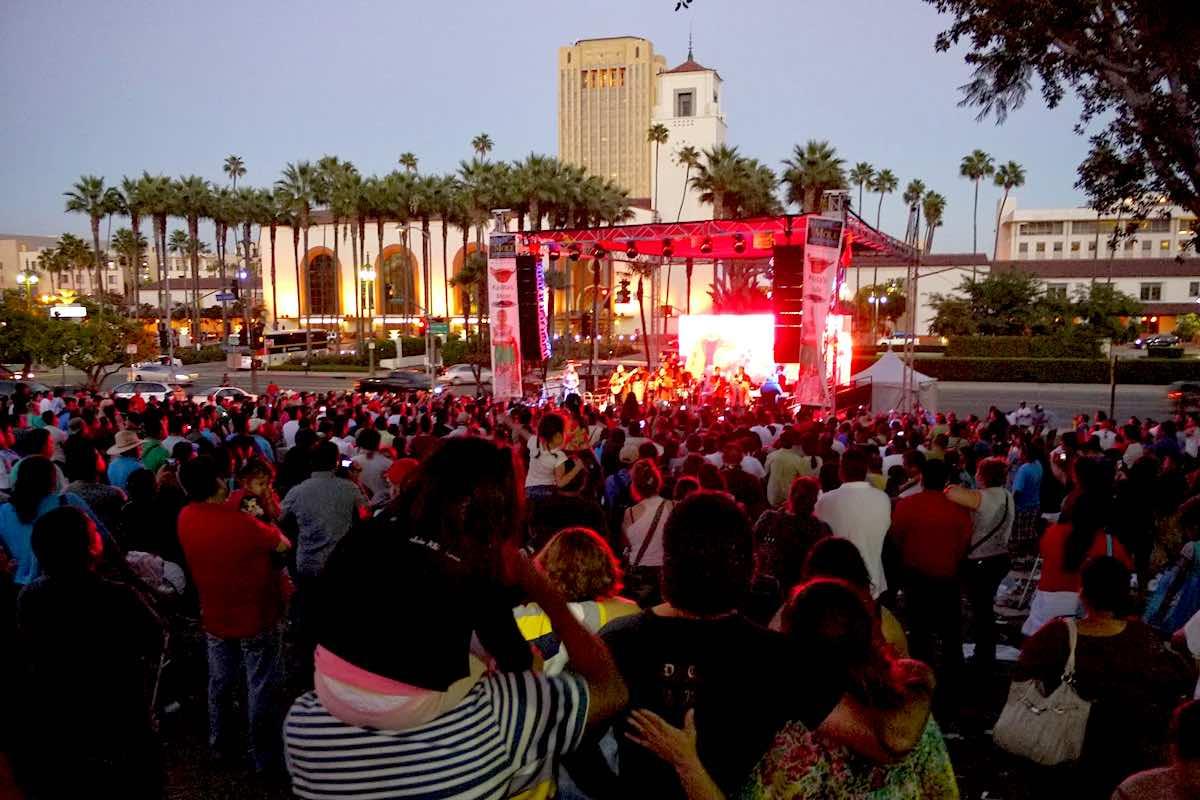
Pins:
<point x="548" y="516"/>
<point x="744" y="681"/>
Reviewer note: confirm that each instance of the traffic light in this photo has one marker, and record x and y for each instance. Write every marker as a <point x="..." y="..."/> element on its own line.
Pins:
<point x="164" y="343"/>
<point x="585" y="324"/>
<point x="623" y="291"/>
<point x="235" y="290"/>
<point x="242" y="336"/>
<point x="256" y="335"/>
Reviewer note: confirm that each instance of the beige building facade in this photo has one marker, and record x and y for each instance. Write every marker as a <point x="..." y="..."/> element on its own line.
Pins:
<point x="1039" y="234"/>
<point x="607" y="92"/>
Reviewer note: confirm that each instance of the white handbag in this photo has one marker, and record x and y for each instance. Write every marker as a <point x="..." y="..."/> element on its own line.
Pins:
<point x="1046" y="730"/>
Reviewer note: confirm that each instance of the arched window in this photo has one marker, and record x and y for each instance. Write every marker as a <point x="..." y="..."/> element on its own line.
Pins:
<point x="322" y="286"/>
<point x="398" y="283"/>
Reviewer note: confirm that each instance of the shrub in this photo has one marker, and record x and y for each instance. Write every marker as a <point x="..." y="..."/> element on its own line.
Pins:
<point x="1132" y="371"/>
<point x="202" y="356"/>
<point x="1072" y="344"/>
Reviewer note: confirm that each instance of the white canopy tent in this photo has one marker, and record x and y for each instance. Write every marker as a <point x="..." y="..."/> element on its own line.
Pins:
<point x="886" y="377"/>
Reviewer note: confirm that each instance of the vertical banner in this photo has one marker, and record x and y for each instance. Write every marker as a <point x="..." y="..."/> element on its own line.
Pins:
<point x="822" y="246"/>
<point x="502" y="316"/>
<point x="543" y="304"/>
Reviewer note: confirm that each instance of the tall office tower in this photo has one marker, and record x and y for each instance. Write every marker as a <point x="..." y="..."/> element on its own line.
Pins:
<point x="607" y="90"/>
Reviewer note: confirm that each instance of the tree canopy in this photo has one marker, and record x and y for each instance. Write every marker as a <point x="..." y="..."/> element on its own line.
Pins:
<point x="1017" y="304"/>
<point x="1133" y="66"/>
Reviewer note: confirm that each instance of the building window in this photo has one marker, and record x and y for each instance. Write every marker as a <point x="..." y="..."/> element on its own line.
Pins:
<point x="1151" y="291"/>
<point x="1146" y="246"/>
<point x="685" y="104"/>
<point x="1041" y="228"/>
<point x="1194" y="289"/>
<point x="1164" y="245"/>
<point x="1092" y="246"/>
<point x="1023" y="248"/>
<point x="1157" y="225"/>
<point x="1185" y="225"/>
<point x="1075" y="248"/>
<point x="1058" y="249"/>
<point x="1040" y="247"/>
<point x="1129" y="244"/>
<point x="1056" y="291"/>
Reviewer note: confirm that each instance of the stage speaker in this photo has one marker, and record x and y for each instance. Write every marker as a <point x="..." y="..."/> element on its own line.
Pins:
<point x="787" y="302"/>
<point x="528" y="309"/>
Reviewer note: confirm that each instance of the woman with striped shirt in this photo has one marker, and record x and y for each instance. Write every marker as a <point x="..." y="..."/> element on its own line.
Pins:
<point x="404" y="710"/>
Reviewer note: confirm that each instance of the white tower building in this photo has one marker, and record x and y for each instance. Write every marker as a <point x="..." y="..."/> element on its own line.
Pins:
<point x="689" y="105"/>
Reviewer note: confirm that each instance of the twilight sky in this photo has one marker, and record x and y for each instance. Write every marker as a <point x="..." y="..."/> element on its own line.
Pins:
<point x="113" y="87"/>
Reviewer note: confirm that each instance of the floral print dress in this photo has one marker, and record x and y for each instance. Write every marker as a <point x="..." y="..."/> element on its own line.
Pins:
<point x="804" y="764"/>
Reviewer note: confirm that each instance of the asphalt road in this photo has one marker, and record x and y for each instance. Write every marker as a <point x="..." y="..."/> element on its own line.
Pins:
<point x="1061" y="400"/>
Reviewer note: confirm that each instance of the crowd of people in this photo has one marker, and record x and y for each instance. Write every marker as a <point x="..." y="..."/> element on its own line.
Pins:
<point x="669" y="594"/>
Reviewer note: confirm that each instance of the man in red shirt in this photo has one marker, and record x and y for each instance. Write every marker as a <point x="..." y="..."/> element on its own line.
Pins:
<point x="930" y="535"/>
<point x="232" y="560"/>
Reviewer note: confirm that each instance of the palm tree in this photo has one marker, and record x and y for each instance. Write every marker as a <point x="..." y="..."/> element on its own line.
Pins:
<point x="130" y="248"/>
<point x="443" y="201"/>
<point x="133" y="204"/>
<point x="299" y="182"/>
<point x="912" y="198"/>
<point x="274" y="207"/>
<point x="812" y="170"/>
<point x="1009" y="175"/>
<point x="424" y="204"/>
<point x="179" y="244"/>
<point x="76" y="255"/>
<point x="719" y="179"/>
<point x="688" y="157"/>
<point x="934" y="206"/>
<point x="408" y="161"/>
<point x="223" y="212"/>
<point x="235" y="168"/>
<point x="657" y="135"/>
<point x="158" y="192"/>
<point x="861" y="175"/>
<point x="345" y="186"/>
<point x="90" y="196"/>
<point x="482" y="145"/>
<point x="194" y="196"/>
<point x="885" y="182"/>
<point x="51" y="262"/>
<point x="976" y="166"/>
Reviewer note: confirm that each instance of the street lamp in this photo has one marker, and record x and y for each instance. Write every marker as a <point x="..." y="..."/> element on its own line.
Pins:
<point x="367" y="276"/>
<point x="29" y="279"/>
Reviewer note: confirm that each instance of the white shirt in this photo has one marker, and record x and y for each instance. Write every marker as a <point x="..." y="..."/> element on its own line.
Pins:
<point x="1107" y="438"/>
<point x="861" y="513"/>
<point x="542" y="463"/>
<point x="893" y="460"/>
<point x="373" y="467"/>
<point x="289" y="432"/>
<point x="750" y="465"/>
<point x="1191" y="634"/>
<point x="766" y="435"/>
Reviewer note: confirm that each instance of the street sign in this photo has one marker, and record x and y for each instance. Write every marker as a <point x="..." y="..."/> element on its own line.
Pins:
<point x="440" y="327"/>
<point x="131" y="349"/>
<point x="68" y="311"/>
<point x="224" y="296"/>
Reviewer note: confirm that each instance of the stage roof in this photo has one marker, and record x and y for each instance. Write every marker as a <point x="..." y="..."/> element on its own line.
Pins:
<point x="724" y="239"/>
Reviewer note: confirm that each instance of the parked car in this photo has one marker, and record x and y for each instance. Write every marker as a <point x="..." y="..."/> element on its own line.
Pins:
<point x="1184" y="396"/>
<point x="16" y="372"/>
<point x="1157" y="340"/>
<point x="147" y="389"/>
<point x="9" y="387"/>
<point x="396" y="381"/>
<point x="149" y="371"/>
<point x="459" y="374"/>
<point x="219" y="393"/>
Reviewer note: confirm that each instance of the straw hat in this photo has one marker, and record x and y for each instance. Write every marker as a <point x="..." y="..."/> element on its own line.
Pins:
<point x="126" y="440"/>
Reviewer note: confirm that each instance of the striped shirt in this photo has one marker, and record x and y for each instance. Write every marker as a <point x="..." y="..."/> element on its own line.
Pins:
<point x="501" y="741"/>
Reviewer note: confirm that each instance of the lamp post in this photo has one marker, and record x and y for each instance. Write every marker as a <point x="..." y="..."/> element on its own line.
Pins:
<point x="29" y="279"/>
<point x="367" y="275"/>
<point x="425" y="278"/>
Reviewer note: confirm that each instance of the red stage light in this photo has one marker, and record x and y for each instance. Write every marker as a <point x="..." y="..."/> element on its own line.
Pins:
<point x="706" y="246"/>
<point x="668" y="248"/>
<point x="739" y="243"/>
<point x="631" y="250"/>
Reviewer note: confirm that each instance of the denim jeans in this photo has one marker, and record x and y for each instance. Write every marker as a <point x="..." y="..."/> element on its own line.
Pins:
<point x="259" y="659"/>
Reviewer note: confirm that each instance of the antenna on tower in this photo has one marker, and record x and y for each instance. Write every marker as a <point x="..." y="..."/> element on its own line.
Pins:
<point x="689" y="58"/>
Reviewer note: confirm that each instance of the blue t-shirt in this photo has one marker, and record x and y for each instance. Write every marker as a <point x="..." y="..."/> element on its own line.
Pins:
<point x="121" y="468"/>
<point x="17" y="536"/>
<point x="1027" y="486"/>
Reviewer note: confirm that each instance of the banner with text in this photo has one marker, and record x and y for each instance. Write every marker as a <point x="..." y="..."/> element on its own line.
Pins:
<point x="502" y="316"/>
<point x="822" y="248"/>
